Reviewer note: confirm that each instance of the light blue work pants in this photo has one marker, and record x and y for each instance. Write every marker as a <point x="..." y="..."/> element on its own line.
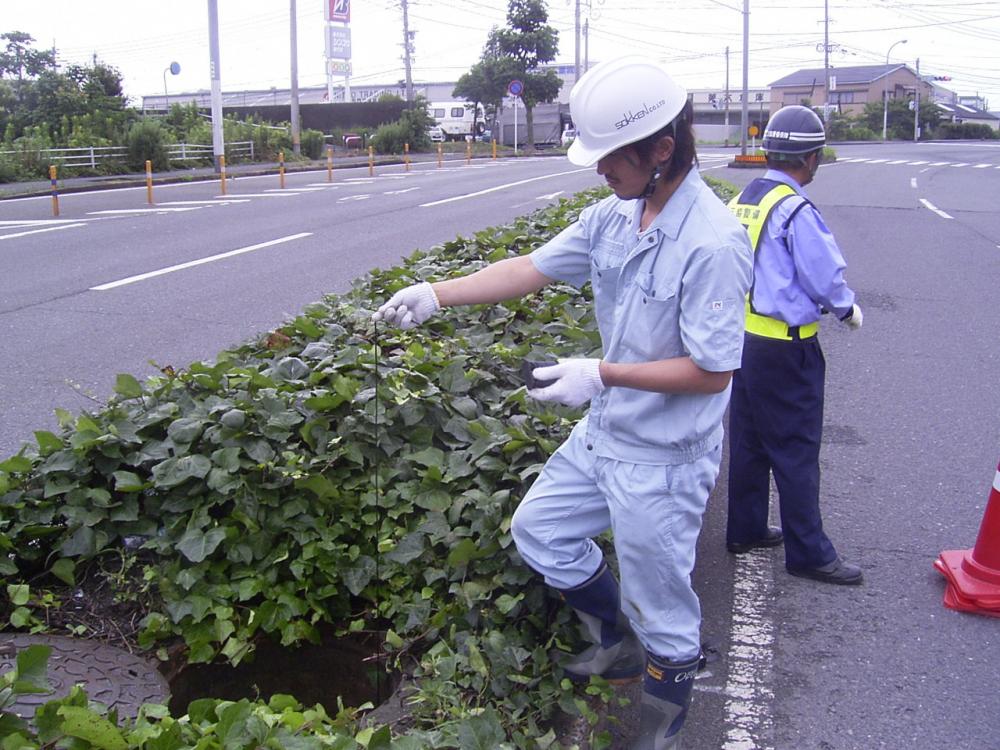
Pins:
<point x="654" y="512"/>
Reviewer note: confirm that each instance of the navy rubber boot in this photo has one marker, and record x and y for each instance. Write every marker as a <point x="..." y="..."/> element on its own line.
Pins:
<point x="666" y="696"/>
<point x="616" y="654"/>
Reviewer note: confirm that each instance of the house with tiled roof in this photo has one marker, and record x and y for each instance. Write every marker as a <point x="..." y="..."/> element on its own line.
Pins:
<point x="851" y="88"/>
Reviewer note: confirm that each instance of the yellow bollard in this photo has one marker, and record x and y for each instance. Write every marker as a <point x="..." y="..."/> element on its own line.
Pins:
<point x="329" y="163"/>
<point x="494" y="142"/>
<point x="281" y="169"/>
<point x="439" y="154"/>
<point x="55" y="190"/>
<point x="149" y="182"/>
<point x="222" y="172"/>
<point x="468" y="152"/>
<point x="371" y="162"/>
<point x="406" y="156"/>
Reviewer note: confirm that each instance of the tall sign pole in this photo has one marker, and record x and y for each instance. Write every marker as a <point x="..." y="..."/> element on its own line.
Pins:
<point x="218" y="145"/>
<point x="293" y="32"/>
<point x="745" y="115"/>
<point x="338" y="45"/>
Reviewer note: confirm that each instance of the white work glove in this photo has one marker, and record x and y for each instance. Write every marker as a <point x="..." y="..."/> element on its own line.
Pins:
<point x="409" y="307"/>
<point x="576" y="381"/>
<point x="854" y="318"/>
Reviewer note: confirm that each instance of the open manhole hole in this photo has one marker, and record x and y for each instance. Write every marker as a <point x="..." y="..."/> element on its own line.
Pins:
<point x="350" y="668"/>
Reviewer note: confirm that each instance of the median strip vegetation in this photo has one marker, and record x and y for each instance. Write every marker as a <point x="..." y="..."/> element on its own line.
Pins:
<point x="333" y="479"/>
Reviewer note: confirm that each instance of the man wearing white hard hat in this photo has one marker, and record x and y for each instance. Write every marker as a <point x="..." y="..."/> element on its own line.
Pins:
<point x="670" y="267"/>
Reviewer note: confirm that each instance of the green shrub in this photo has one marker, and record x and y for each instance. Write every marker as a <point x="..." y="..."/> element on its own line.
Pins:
<point x="312" y="144"/>
<point x="147" y="141"/>
<point x="966" y="131"/>
<point x="390" y="139"/>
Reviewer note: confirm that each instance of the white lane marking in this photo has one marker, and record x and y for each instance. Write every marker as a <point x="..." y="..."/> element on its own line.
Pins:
<point x="327" y="185"/>
<point x="940" y="163"/>
<point x="151" y="210"/>
<point x="876" y="161"/>
<point x="353" y="198"/>
<point x="39" y="231"/>
<point x="550" y="196"/>
<point x="960" y="164"/>
<point x="916" y="163"/>
<point x="200" y="261"/>
<point x="400" y="192"/>
<point x="913" y="183"/>
<point x="206" y="202"/>
<point x="897" y="161"/>
<point x="257" y="195"/>
<point x="294" y="190"/>
<point x="748" y="691"/>
<point x="502" y="187"/>
<point x="982" y="166"/>
<point x="935" y="209"/>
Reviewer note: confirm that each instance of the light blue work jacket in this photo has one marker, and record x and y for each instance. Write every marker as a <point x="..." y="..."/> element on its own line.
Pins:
<point x="676" y="289"/>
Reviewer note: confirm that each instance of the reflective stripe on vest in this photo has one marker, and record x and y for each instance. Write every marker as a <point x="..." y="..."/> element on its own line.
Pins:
<point x="753" y="207"/>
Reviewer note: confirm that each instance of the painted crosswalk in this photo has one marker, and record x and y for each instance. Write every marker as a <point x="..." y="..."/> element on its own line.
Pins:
<point x="917" y="163"/>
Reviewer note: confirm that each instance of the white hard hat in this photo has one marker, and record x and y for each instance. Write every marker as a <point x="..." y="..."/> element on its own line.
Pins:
<point x="620" y="102"/>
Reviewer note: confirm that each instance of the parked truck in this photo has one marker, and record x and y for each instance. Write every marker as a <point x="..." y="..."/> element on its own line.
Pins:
<point x="457" y="119"/>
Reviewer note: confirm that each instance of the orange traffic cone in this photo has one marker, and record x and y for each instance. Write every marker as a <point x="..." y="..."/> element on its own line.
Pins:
<point x="973" y="575"/>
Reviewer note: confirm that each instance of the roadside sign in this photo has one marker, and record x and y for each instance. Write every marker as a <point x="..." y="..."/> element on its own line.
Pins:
<point x="338" y="10"/>
<point x="338" y="42"/>
<point x="753" y="131"/>
<point x="515" y="88"/>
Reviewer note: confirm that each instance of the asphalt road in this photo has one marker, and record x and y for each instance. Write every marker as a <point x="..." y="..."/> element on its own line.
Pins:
<point x="911" y="435"/>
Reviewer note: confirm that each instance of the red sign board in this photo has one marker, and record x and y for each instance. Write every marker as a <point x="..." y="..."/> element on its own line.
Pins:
<point x="338" y="10"/>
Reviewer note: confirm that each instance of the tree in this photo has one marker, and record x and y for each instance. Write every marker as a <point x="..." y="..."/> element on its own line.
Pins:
<point x="529" y="42"/>
<point x="18" y="60"/>
<point x="486" y="82"/>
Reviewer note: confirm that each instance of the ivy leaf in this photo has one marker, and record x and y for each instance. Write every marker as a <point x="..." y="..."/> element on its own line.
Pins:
<point x="84" y="724"/>
<point x="196" y="544"/>
<point x="32" y="670"/>
<point x="482" y="732"/>
<point x="127" y="386"/>
<point x="126" y="481"/>
<point x="16" y="465"/>
<point x="175" y="471"/>
<point x="48" y="442"/>
<point x="64" y="569"/>
<point x="409" y="548"/>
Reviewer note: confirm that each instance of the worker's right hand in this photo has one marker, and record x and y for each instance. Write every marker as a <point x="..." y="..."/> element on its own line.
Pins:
<point x="854" y="318"/>
<point x="409" y="307"/>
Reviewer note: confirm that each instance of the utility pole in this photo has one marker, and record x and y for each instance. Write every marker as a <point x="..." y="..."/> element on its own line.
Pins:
<point x="916" y="106"/>
<point x="586" y="45"/>
<point x="726" y="101"/>
<point x="826" y="58"/>
<point x="576" y="41"/>
<point x="407" y="48"/>
<point x="293" y="31"/>
<point x="218" y="145"/>
<point x="744" y="114"/>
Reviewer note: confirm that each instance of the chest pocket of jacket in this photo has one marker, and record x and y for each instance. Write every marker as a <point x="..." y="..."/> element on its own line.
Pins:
<point x="654" y="327"/>
<point x="606" y="260"/>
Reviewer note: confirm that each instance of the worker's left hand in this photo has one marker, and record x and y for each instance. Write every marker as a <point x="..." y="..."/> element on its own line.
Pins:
<point x="854" y="318"/>
<point x="575" y="381"/>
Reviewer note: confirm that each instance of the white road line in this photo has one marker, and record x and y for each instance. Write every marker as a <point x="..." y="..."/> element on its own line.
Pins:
<point x="327" y="185"/>
<point x="501" y="187"/>
<point x="257" y="195"/>
<point x="916" y="163"/>
<point x="897" y="161"/>
<point x="294" y="190"/>
<point x="206" y="202"/>
<point x="940" y="163"/>
<point x="353" y="198"/>
<point x="960" y="164"/>
<point x="400" y="192"/>
<point x="200" y="261"/>
<point x="39" y="231"/>
<point x="151" y="210"/>
<point x="876" y="161"/>
<point x="935" y="209"/>
<point x="913" y="183"/>
<point x="982" y="166"/>
<point x="34" y="222"/>
<point x="550" y="196"/>
<point x="748" y="690"/>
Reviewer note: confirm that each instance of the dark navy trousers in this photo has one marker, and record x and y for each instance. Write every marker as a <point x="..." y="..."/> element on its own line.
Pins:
<point x="776" y="425"/>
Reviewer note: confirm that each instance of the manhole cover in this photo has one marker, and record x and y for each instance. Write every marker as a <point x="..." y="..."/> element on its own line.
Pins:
<point x="110" y="675"/>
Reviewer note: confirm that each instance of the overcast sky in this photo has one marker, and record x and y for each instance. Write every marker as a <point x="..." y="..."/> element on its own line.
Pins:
<point x="957" y="38"/>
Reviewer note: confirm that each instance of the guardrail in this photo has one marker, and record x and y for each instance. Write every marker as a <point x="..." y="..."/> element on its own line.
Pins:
<point x="91" y="156"/>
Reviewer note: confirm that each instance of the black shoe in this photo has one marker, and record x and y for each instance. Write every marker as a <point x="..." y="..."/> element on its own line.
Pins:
<point x="772" y="538"/>
<point x="839" y="572"/>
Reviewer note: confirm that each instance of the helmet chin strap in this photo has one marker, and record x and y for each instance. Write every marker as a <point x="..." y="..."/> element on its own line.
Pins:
<point x="654" y="178"/>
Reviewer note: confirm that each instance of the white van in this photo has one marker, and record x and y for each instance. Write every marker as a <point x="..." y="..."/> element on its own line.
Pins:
<point x="455" y="119"/>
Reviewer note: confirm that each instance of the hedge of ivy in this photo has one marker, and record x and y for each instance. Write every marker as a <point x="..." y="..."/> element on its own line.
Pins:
<point x="336" y="475"/>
